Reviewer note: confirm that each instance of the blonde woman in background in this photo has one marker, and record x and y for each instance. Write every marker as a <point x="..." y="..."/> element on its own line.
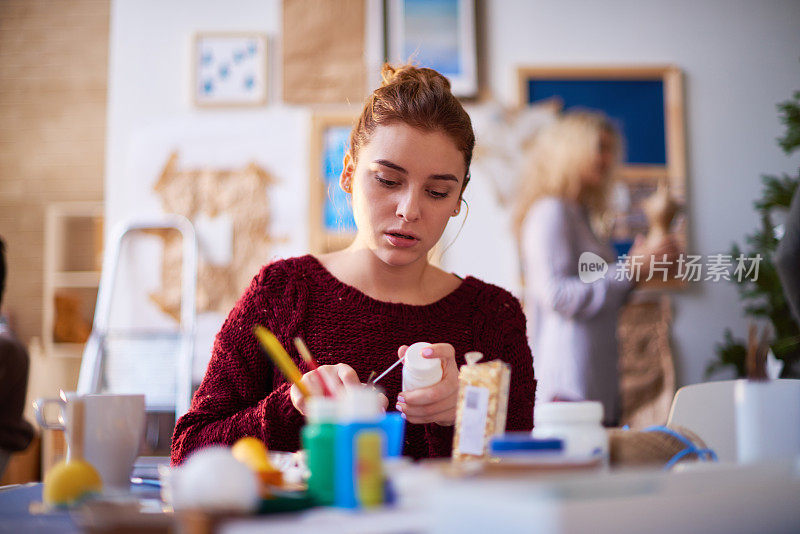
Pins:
<point x="561" y="213"/>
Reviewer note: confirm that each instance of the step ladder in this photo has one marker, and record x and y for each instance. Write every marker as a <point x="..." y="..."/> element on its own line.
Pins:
<point x="156" y="363"/>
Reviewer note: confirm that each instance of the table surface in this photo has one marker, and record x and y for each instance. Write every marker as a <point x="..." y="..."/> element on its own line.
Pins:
<point x="16" y="517"/>
<point x="709" y="498"/>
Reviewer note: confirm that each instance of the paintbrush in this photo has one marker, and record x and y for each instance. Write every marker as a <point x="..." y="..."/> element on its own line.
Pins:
<point x="395" y="364"/>
<point x="275" y="350"/>
<point x="312" y="363"/>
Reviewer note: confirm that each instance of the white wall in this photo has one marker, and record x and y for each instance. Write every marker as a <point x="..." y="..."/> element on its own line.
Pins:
<point x="150" y="110"/>
<point x="740" y="58"/>
<point x="150" y="114"/>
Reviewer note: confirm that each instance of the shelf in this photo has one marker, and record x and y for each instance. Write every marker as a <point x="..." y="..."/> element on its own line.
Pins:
<point x="72" y="260"/>
<point x="73" y="279"/>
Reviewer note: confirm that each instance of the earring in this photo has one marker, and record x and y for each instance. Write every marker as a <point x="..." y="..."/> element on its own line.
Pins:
<point x="347" y="188"/>
<point x="458" y="208"/>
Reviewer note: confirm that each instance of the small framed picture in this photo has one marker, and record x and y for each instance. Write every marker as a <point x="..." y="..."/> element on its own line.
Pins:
<point x="439" y="34"/>
<point x="229" y="69"/>
<point x="331" y="217"/>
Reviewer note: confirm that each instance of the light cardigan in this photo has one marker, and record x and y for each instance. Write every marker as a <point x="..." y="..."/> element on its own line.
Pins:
<point x="571" y="324"/>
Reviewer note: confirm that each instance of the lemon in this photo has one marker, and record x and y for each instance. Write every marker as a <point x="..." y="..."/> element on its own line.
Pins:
<point x="68" y="482"/>
<point x="253" y="453"/>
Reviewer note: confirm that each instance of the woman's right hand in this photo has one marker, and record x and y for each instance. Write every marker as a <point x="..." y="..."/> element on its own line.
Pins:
<point x="336" y="377"/>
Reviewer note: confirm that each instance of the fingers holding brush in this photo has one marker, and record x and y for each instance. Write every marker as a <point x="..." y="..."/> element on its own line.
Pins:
<point x="331" y="378"/>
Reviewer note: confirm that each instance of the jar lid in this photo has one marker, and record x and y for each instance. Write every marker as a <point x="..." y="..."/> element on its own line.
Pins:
<point x="522" y="441"/>
<point x="360" y="404"/>
<point x="567" y="412"/>
<point x="415" y="360"/>
<point x="322" y="409"/>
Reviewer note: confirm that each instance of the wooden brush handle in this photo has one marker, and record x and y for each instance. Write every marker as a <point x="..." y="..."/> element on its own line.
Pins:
<point x="756" y="357"/>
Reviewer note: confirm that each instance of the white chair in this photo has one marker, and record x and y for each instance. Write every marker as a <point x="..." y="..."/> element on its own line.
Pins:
<point x="708" y="410"/>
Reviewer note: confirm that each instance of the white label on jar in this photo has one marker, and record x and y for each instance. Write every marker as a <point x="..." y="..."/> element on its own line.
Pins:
<point x="472" y="436"/>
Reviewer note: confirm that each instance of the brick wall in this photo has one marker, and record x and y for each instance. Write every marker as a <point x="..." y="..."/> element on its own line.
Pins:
<point x="53" y="77"/>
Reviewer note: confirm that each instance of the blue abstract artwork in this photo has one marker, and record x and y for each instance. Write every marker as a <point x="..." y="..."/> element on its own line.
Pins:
<point x="431" y="34"/>
<point x="337" y="212"/>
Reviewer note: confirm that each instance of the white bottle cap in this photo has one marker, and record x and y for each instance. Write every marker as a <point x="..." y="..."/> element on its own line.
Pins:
<point x="415" y="359"/>
<point x="418" y="371"/>
<point x="567" y="412"/>
<point x="322" y="410"/>
<point x="360" y="404"/>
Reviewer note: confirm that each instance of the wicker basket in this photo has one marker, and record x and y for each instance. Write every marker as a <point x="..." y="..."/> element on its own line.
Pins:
<point x="650" y="448"/>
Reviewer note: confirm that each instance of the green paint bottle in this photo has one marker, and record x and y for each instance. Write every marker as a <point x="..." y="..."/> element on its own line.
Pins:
<point x="319" y="440"/>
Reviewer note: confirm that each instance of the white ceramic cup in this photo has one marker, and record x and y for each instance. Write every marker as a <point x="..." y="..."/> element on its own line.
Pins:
<point x="767" y="420"/>
<point x="113" y="429"/>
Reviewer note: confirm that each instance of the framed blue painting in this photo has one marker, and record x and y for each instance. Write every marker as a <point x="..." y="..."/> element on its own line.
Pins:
<point x="439" y="34"/>
<point x="645" y="103"/>
<point x="331" y="217"/>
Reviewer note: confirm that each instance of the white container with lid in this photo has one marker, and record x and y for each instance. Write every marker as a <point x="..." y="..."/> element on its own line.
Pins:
<point x="578" y="424"/>
<point x="322" y="410"/>
<point x="418" y="371"/>
<point x="360" y="404"/>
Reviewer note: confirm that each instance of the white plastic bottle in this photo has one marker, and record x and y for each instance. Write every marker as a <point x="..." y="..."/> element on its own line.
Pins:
<point x="579" y="424"/>
<point x="420" y="372"/>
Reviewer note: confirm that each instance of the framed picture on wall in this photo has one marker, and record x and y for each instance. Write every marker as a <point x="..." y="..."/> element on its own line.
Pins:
<point x="229" y="69"/>
<point x="330" y="215"/>
<point x="645" y="103"/>
<point x="439" y="34"/>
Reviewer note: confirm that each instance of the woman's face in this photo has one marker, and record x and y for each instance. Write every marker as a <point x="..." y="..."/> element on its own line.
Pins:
<point x="600" y="166"/>
<point x="405" y="188"/>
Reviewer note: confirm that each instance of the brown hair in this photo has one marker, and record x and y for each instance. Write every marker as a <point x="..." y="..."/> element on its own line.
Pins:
<point x="421" y="98"/>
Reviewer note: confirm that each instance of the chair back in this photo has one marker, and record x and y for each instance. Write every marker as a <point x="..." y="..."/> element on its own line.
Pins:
<point x="708" y="410"/>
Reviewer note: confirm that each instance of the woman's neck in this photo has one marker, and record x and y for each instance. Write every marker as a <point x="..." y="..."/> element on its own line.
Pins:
<point x="417" y="283"/>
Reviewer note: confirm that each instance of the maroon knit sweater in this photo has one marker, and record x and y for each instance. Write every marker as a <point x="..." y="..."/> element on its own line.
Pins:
<point x="242" y="395"/>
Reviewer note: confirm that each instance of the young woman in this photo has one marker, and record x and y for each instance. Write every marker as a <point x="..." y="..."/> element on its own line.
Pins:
<point x="559" y="216"/>
<point x="359" y="308"/>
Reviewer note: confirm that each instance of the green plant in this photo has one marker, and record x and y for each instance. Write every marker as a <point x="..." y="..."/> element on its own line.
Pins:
<point x="763" y="298"/>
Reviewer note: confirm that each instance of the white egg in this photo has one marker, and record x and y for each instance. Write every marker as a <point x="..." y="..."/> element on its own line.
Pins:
<point x="212" y="479"/>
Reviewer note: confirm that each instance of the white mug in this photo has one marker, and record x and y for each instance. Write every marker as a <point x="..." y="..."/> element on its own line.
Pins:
<point x="112" y="431"/>
<point x="767" y="420"/>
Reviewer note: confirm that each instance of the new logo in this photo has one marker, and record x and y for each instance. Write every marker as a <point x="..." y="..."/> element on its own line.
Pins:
<point x="591" y="267"/>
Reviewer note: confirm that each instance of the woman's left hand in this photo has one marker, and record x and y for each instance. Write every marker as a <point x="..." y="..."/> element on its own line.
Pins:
<point x="436" y="403"/>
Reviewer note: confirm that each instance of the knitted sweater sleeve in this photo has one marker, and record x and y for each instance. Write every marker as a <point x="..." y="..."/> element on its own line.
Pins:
<point x="515" y="350"/>
<point x="240" y="394"/>
<point x="500" y="330"/>
<point x="505" y="338"/>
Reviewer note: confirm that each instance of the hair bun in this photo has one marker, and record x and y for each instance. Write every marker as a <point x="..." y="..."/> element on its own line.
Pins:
<point x="411" y="74"/>
<point x="420" y="98"/>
